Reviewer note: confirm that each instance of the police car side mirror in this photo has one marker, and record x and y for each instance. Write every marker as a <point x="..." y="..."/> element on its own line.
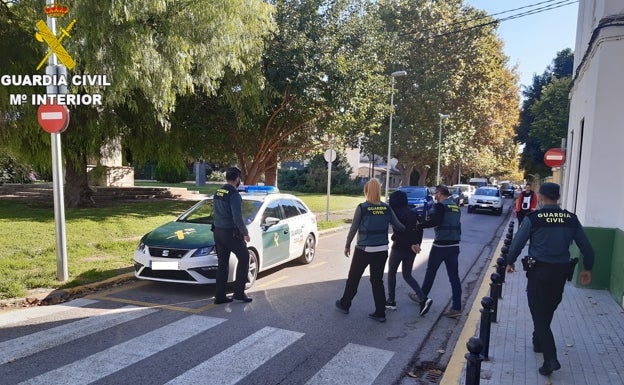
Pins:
<point x="270" y="221"/>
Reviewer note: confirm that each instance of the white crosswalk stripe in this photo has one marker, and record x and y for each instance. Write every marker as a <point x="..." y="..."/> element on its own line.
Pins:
<point x="236" y="362"/>
<point x="354" y="364"/>
<point x="109" y="361"/>
<point x="45" y="339"/>
<point x="16" y="317"/>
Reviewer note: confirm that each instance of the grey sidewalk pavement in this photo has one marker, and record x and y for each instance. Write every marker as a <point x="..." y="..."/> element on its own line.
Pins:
<point x="588" y="327"/>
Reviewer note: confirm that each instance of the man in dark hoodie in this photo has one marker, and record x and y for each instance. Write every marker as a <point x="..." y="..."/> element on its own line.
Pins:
<point x="405" y="246"/>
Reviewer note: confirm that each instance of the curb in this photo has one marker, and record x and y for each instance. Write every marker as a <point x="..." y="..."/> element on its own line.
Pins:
<point x="456" y="364"/>
<point x="43" y="297"/>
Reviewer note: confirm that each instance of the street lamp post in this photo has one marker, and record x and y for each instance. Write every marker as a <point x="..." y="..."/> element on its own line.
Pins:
<point x="392" y="75"/>
<point x="442" y="117"/>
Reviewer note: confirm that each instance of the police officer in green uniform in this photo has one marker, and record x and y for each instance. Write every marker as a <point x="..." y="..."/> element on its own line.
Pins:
<point x="551" y="231"/>
<point x="447" y="226"/>
<point x="231" y="236"/>
<point x="371" y="223"/>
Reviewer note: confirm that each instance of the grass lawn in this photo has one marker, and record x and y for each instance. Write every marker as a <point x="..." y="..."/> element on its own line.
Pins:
<point x="100" y="241"/>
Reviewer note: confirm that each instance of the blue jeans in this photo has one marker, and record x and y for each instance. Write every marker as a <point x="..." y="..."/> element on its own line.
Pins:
<point x="406" y="258"/>
<point x="449" y="255"/>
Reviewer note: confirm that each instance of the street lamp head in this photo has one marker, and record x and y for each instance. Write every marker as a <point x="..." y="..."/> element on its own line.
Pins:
<point x="398" y="73"/>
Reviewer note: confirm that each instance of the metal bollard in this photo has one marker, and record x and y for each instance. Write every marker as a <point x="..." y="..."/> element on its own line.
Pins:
<point x="504" y="251"/>
<point x="501" y="264"/>
<point x="494" y="287"/>
<point x="473" y="367"/>
<point x="485" y="326"/>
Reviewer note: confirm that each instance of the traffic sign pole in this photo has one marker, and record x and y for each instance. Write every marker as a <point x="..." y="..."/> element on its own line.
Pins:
<point x="62" y="273"/>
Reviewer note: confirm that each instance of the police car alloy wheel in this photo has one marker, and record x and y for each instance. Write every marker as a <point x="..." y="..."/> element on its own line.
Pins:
<point x="253" y="269"/>
<point x="309" y="250"/>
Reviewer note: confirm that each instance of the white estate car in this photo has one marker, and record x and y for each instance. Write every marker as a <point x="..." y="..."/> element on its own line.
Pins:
<point x="281" y="228"/>
<point x="486" y="198"/>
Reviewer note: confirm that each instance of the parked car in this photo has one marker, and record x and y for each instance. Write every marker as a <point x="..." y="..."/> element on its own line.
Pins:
<point x="486" y="198"/>
<point x="467" y="189"/>
<point x="458" y="196"/>
<point x="281" y="227"/>
<point x="507" y="190"/>
<point x="420" y="199"/>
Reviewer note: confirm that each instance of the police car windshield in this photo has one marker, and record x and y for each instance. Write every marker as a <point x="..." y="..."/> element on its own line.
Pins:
<point x="203" y="211"/>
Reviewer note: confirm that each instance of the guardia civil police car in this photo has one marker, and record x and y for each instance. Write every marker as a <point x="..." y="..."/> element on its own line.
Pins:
<point x="281" y="228"/>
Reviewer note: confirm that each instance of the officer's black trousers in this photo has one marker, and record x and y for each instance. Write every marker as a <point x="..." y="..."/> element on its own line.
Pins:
<point x="545" y="290"/>
<point x="376" y="261"/>
<point x="226" y="243"/>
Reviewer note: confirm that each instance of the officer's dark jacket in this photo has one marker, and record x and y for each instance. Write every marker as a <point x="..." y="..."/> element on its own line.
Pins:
<point x="228" y="206"/>
<point x="446" y="221"/>
<point x="371" y="222"/>
<point x="551" y="231"/>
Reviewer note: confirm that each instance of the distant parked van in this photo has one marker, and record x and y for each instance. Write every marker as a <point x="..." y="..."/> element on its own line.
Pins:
<point x="478" y="182"/>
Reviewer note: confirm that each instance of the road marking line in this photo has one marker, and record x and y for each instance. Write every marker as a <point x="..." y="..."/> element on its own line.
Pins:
<point x="269" y="283"/>
<point x="153" y="304"/>
<point x="354" y="364"/>
<point x="45" y="339"/>
<point x="318" y="264"/>
<point x="106" y="362"/>
<point x="22" y="315"/>
<point x="235" y="363"/>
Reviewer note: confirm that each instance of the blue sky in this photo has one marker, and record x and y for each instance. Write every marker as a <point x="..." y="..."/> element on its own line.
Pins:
<point x="533" y="41"/>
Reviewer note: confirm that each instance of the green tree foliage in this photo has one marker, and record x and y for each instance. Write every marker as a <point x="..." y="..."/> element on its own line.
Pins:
<point x="313" y="178"/>
<point x="153" y="52"/>
<point x="14" y="171"/>
<point x="550" y="114"/>
<point x="172" y="170"/>
<point x="553" y="113"/>
<point x="320" y="77"/>
<point x="463" y="74"/>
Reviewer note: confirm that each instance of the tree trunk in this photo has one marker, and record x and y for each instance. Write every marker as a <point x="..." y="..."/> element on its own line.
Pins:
<point x="270" y="174"/>
<point x="422" y="171"/>
<point x="77" y="190"/>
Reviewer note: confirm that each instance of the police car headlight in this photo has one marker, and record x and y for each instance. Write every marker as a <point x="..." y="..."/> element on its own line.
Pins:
<point x="142" y="248"/>
<point x="204" y="251"/>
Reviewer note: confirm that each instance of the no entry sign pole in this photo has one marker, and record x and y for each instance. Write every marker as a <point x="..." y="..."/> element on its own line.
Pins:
<point x="62" y="273"/>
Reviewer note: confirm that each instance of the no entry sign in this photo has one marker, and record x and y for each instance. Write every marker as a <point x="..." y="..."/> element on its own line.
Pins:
<point x="554" y="157"/>
<point x="53" y="118"/>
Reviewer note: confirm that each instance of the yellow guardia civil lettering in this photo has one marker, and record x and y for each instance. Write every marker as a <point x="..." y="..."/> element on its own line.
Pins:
<point x="377" y="210"/>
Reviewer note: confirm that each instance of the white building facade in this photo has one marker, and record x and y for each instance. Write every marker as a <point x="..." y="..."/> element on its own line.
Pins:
<point x="594" y="171"/>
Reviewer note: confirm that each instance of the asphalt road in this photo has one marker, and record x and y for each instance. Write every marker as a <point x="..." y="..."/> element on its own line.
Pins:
<point x="157" y="333"/>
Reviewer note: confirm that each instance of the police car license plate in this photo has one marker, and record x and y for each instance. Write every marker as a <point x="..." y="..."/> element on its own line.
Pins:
<point x="164" y="265"/>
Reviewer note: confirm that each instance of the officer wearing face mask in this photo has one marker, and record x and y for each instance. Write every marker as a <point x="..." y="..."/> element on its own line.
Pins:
<point x="231" y="236"/>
